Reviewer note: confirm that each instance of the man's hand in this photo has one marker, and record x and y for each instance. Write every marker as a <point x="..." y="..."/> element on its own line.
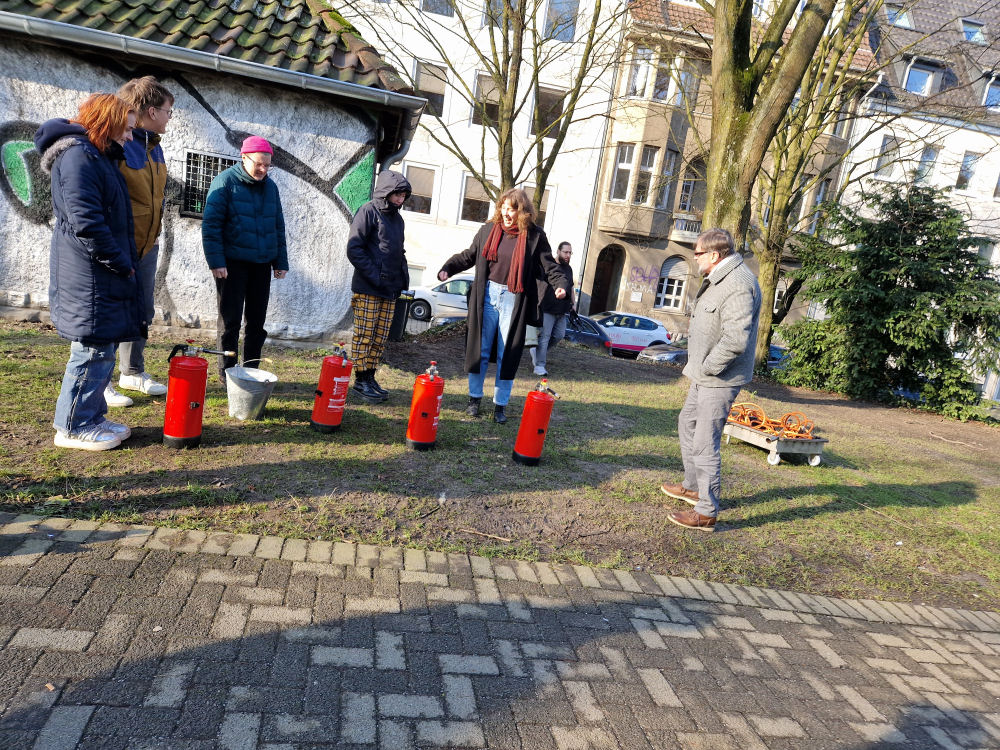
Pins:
<point x="442" y="275"/>
<point x="279" y="274"/>
<point x="560" y="293"/>
<point x="220" y="273"/>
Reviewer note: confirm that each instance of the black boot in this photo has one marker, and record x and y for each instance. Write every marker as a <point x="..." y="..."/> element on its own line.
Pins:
<point x="363" y="387"/>
<point x="376" y="386"/>
<point x="499" y="414"/>
<point x="473" y="408"/>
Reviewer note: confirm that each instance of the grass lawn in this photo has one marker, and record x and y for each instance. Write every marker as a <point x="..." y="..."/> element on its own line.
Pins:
<point x="904" y="505"/>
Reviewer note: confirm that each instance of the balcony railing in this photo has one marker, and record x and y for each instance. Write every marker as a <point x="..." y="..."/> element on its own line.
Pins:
<point x="685" y="229"/>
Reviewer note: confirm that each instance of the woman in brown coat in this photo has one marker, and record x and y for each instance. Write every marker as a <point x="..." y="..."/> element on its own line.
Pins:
<point x="510" y="253"/>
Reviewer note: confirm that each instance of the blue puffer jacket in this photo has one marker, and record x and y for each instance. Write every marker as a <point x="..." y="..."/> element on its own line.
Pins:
<point x="243" y="221"/>
<point x="94" y="294"/>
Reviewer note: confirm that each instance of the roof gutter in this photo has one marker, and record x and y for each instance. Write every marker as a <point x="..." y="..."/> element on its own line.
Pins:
<point x="158" y="51"/>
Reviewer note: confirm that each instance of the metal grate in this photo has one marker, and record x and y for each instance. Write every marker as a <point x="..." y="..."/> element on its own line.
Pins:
<point x="199" y="171"/>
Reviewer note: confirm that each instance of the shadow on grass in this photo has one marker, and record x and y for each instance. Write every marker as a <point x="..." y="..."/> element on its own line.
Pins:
<point x="152" y="649"/>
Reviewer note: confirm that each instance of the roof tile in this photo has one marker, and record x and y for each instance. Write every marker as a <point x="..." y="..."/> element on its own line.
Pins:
<point x="306" y="36"/>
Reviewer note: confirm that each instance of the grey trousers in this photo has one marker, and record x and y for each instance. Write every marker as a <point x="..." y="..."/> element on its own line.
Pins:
<point x="130" y="353"/>
<point x="699" y="429"/>
<point x="551" y="333"/>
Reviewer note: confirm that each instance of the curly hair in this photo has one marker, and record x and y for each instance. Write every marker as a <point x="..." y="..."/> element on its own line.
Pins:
<point x="104" y="117"/>
<point x="518" y="198"/>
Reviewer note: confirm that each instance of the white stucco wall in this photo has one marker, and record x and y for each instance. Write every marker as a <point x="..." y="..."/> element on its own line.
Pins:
<point x="39" y="83"/>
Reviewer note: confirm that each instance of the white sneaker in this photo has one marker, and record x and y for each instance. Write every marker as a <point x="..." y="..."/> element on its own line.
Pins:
<point x="117" y="428"/>
<point x="116" y="399"/>
<point x="93" y="438"/>
<point x="142" y="383"/>
<point x="540" y="371"/>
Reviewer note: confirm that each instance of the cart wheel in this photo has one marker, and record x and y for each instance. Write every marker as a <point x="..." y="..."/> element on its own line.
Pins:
<point x="815" y="460"/>
<point x="774" y="458"/>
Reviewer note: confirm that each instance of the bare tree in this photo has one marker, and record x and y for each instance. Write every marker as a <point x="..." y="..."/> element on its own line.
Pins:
<point x="503" y="62"/>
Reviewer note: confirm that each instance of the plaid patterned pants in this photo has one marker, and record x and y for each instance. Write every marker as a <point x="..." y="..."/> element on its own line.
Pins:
<point x="372" y="318"/>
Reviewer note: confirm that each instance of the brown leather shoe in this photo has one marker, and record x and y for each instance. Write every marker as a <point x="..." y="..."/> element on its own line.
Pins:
<point x="680" y="492"/>
<point x="690" y="519"/>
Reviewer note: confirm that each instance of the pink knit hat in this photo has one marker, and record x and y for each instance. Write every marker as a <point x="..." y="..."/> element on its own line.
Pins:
<point x="254" y="144"/>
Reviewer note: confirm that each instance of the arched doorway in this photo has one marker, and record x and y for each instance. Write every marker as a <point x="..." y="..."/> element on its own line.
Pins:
<point x="607" y="278"/>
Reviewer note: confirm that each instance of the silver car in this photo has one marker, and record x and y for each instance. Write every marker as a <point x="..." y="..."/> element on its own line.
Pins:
<point x="443" y="299"/>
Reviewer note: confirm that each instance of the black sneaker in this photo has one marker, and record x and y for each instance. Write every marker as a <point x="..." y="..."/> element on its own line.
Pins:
<point x="363" y="387"/>
<point x="499" y="414"/>
<point x="377" y="387"/>
<point x="473" y="408"/>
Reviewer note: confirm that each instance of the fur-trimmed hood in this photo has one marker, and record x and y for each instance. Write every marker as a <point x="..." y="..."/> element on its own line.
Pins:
<point x="54" y="137"/>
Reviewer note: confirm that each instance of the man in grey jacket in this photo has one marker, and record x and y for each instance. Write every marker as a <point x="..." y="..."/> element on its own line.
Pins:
<point x="721" y="340"/>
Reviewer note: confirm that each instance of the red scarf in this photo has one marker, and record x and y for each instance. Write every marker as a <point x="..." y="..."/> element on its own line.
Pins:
<point x="516" y="271"/>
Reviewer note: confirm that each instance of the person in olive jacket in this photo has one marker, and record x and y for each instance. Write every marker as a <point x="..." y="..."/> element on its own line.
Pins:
<point x="243" y="235"/>
<point x="375" y="249"/>
<point x="510" y="254"/>
<point x="95" y="296"/>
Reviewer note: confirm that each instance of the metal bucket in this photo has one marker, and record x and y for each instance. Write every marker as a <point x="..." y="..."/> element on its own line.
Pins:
<point x="248" y="390"/>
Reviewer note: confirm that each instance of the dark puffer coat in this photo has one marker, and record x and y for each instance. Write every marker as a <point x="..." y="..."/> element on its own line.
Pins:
<point x="94" y="294"/>
<point x="243" y="220"/>
<point x="375" y="243"/>
<point x="539" y="265"/>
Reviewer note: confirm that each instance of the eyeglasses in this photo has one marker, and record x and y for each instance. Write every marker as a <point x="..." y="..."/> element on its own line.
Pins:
<point x="256" y="163"/>
<point x="170" y="112"/>
<point x="702" y="252"/>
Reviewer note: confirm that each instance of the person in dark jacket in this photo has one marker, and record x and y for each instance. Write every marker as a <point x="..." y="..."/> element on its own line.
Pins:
<point x="95" y="297"/>
<point x="243" y="235"/>
<point x="375" y="249"/>
<point x="510" y="254"/>
<point x="145" y="172"/>
<point x="554" y="310"/>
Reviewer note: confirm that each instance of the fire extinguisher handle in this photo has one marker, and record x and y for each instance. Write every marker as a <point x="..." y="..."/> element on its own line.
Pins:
<point x="178" y="349"/>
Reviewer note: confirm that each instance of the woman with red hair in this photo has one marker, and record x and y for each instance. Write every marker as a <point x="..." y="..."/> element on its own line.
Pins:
<point x="94" y="295"/>
<point x="510" y="254"/>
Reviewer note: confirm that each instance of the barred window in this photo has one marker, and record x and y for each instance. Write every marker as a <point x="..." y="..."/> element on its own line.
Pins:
<point x="199" y="171"/>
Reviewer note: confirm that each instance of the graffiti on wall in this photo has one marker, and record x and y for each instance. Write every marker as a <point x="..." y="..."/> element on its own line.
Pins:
<point x="643" y="280"/>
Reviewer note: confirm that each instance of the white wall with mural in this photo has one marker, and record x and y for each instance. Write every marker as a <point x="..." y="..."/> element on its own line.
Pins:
<point x="324" y="168"/>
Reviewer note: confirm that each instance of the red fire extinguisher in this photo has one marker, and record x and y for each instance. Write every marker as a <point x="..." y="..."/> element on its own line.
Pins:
<point x="425" y="409"/>
<point x="534" y="424"/>
<point x="186" y="395"/>
<point x="331" y="392"/>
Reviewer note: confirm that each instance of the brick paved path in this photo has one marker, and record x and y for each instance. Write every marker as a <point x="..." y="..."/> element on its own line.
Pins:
<point x="114" y="637"/>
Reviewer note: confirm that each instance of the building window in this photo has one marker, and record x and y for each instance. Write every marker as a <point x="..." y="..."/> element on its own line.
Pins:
<point x="816" y="311"/>
<point x="919" y="79"/>
<point x="758" y="9"/>
<point x="888" y="155"/>
<point x="475" y="202"/>
<point x="899" y="16"/>
<point x="623" y="171"/>
<point x="780" y="290"/>
<point x="664" y="79"/>
<point x="967" y="170"/>
<point x="199" y="171"/>
<point x="689" y="187"/>
<point x="486" y="110"/>
<point x="822" y="190"/>
<point x="422" y="185"/>
<point x="542" y="209"/>
<point x="991" y="97"/>
<point x="642" y="65"/>
<point x="549" y="105"/>
<point x="438" y="7"/>
<point x="765" y="214"/>
<point x="644" y="177"/>
<point x="926" y="164"/>
<point x="670" y="287"/>
<point x="973" y="32"/>
<point x="841" y="121"/>
<point x="560" y="20"/>
<point x="668" y="174"/>
<point x="430" y="83"/>
<point x="686" y="90"/>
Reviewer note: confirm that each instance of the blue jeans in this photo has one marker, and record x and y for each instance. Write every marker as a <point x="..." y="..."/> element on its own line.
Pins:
<point x="81" y="401"/>
<point x="131" y="360"/>
<point x="498" y="307"/>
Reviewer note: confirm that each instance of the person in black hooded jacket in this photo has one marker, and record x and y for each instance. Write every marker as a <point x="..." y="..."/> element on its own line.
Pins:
<point x="375" y="249"/>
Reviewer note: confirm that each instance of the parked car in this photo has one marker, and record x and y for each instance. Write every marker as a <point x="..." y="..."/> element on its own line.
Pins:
<point x="669" y="353"/>
<point x="631" y="333"/>
<point x="443" y="299"/>
<point x="777" y="357"/>
<point x="583" y="330"/>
